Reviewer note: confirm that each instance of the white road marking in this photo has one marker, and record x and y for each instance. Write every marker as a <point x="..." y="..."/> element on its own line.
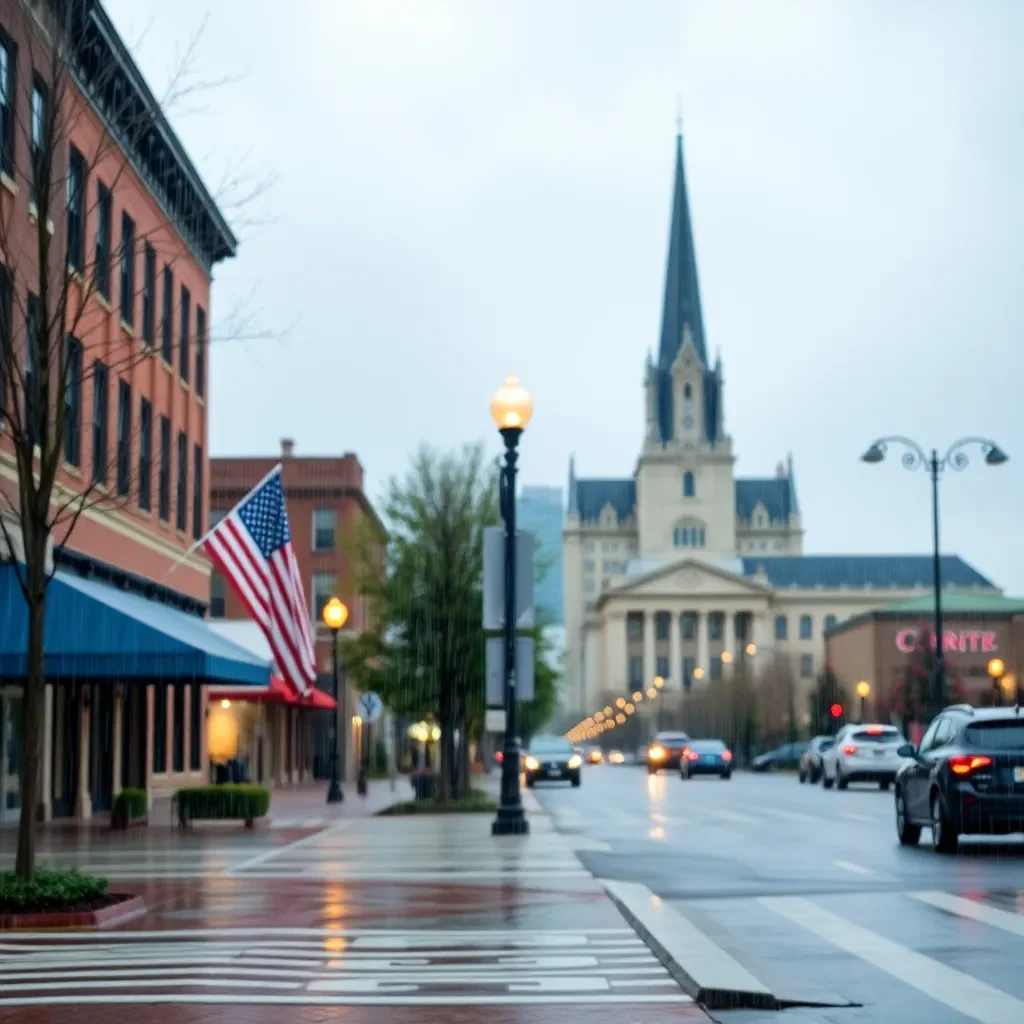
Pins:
<point x="854" y="816"/>
<point x="382" y="999"/>
<point x="277" y="851"/>
<point x="857" y="869"/>
<point x="401" y="937"/>
<point x="961" y="992"/>
<point x="682" y="942"/>
<point x="804" y="819"/>
<point x="735" y="816"/>
<point x="1003" y="919"/>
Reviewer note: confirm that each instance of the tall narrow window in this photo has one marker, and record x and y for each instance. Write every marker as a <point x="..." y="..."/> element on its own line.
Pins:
<point x="6" y="330"/>
<point x="167" y="327"/>
<point x="104" y="216"/>
<point x="124" y="438"/>
<point x="181" y="520"/>
<point x="145" y="454"/>
<point x="7" y="92"/>
<point x="159" y="729"/>
<point x="100" y="418"/>
<point x="164" y="486"/>
<point x="76" y="210"/>
<point x="149" y="295"/>
<point x="325" y="529"/>
<point x="33" y="404"/>
<point x="39" y="115"/>
<point x="195" y="719"/>
<point x="323" y="589"/>
<point x="127" y="270"/>
<point x="186" y="351"/>
<point x="197" y="492"/>
<point x="73" y="403"/>
<point x="200" y="351"/>
<point x="689" y="486"/>
<point x="178" y="728"/>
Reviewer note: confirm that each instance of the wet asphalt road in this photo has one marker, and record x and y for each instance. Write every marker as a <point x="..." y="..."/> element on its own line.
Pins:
<point x="810" y="891"/>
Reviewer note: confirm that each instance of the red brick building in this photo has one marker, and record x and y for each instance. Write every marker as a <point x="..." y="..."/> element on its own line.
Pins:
<point x="134" y="239"/>
<point x="329" y="515"/>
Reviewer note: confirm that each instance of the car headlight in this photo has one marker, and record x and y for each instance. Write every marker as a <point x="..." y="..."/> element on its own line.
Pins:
<point x="656" y="753"/>
<point x="575" y="761"/>
<point x="532" y="764"/>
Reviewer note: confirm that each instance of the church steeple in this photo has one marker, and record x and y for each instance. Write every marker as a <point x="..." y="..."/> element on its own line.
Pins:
<point x="682" y="293"/>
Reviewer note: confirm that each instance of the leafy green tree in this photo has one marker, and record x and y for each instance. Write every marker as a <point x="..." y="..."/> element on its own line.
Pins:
<point x="424" y="653"/>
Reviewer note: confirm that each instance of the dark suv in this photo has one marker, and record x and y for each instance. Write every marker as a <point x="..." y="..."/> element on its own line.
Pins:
<point x="965" y="778"/>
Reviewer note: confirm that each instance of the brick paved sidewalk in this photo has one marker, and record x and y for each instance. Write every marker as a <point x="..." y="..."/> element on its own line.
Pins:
<point x="383" y="920"/>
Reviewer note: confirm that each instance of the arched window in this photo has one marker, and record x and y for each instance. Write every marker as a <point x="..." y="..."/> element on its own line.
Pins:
<point x="689" y="487"/>
<point x="689" y="533"/>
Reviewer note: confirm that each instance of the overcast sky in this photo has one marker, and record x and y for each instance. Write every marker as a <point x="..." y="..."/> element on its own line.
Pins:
<point x="465" y="189"/>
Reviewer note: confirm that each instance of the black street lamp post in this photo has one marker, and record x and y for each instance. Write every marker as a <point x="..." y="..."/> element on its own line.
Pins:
<point x="335" y="616"/>
<point x="511" y="409"/>
<point x="914" y="457"/>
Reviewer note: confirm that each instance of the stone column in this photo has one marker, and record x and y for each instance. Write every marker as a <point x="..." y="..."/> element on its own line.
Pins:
<point x="703" y="661"/>
<point x="83" y="799"/>
<point x="675" y="643"/>
<point x="760" y="630"/>
<point x="117" y="737"/>
<point x="650" y="664"/>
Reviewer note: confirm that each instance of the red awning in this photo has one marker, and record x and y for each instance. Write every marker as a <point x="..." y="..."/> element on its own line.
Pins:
<point x="278" y="692"/>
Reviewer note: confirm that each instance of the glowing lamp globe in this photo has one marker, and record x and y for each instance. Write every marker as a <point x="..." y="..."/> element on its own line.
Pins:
<point x="511" y="406"/>
<point x="335" y="614"/>
<point x="863" y="688"/>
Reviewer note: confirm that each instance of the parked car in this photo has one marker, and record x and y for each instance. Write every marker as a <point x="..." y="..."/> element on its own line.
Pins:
<point x="706" y="757"/>
<point x="862" y="753"/>
<point x="666" y="751"/>
<point x="965" y="778"/>
<point x="552" y="759"/>
<point x="786" y="756"/>
<point x="810" y="759"/>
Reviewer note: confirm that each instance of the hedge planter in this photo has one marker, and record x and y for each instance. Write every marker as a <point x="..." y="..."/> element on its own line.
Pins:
<point x="222" y="803"/>
<point x="131" y="807"/>
<point x="62" y="899"/>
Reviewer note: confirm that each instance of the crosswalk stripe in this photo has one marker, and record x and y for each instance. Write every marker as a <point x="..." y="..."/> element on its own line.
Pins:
<point x="1003" y="919"/>
<point x="961" y="992"/>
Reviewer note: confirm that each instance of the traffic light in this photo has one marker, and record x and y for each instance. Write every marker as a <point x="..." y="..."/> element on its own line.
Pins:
<point x="836" y="710"/>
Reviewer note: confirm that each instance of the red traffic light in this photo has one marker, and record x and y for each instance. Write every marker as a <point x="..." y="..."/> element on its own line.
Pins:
<point x="837" y="710"/>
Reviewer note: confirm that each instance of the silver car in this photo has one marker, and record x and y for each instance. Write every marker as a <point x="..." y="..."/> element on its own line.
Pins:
<point x="863" y="753"/>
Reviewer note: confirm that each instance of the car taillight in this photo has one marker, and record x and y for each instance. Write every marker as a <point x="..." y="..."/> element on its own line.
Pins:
<point x="727" y="756"/>
<point x="849" y="749"/>
<point x="964" y="764"/>
<point x="692" y="755"/>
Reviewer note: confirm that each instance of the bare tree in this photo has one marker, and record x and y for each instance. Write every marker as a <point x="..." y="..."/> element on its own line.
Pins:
<point x="71" y="131"/>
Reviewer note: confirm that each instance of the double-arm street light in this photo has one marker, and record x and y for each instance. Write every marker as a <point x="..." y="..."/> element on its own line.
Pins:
<point x="914" y="457"/>
<point x="511" y="409"/>
<point x="335" y="616"/>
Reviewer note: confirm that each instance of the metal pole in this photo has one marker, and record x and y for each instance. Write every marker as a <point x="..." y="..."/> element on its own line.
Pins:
<point x="939" y="680"/>
<point x="334" y="793"/>
<point x="364" y="760"/>
<point x="510" y="819"/>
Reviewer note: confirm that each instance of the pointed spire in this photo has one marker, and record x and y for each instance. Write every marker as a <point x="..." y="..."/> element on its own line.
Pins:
<point x="682" y="293"/>
<point x="574" y="505"/>
<point x="794" y="505"/>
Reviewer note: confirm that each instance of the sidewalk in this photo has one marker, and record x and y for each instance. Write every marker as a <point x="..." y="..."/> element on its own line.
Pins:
<point x="397" y="919"/>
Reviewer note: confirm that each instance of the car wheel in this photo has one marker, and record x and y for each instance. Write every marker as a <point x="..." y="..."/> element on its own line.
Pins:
<point x="841" y="781"/>
<point x="530" y="783"/>
<point x="883" y="786"/>
<point x="944" y="837"/>
<point x="802" y="777"/>
<point x="908" y="832"/>
<point x="825" y="780"/>
<point x="575" y="782"/>
<point x="727" y="775"/>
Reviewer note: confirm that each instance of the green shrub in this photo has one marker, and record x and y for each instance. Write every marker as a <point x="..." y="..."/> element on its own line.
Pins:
<point x="49" y="890"/>
<point x="130" y="805"/>
<point x="474" y="802"/>
<point x="228" y="802"/>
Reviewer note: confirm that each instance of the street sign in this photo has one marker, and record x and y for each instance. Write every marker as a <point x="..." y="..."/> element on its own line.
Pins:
<point x="370" y="707"/>
<point x="494" y="579"/>
<point x="495" y="660"/>
<point x="494" y="720"/>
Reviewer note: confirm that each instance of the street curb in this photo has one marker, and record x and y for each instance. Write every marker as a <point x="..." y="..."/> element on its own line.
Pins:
<point x="699" y="966"/>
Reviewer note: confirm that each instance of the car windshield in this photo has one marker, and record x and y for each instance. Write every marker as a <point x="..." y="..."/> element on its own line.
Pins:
<point x="707" y="746"/>
<point x="878" y="734"/>
<point x="671" y="737"/>
<point x="1005" y="735"/>
<point x="826" y="743"/>
<point x="548" y="745"/>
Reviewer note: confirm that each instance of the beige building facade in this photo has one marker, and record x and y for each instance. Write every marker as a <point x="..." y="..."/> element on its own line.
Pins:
<point x="685" y="571"/>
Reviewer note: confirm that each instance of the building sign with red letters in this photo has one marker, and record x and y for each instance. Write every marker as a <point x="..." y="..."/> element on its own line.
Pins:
<point x="964" y="641"/>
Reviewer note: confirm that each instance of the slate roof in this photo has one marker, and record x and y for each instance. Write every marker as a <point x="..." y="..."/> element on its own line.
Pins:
<point x="593" y="495"/>
<point x="958" y="604"/>
<point x="904" y="572"/>
<point x="777" y="496"/>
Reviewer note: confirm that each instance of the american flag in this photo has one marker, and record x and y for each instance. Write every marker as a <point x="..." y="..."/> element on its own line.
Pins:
<point x="252" y="546"/>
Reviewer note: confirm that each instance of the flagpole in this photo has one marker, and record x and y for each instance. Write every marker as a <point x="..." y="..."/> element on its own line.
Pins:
<point x="202" y="540"/>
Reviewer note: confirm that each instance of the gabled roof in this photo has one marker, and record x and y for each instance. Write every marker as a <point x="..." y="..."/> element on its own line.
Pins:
<point x="593" y="495"/>
<point x="903" y="572"/>
<point x="775" y="493"/>
<point x="634" y="583"/>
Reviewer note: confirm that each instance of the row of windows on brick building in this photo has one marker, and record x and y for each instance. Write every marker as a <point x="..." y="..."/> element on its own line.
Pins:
<point x="99" y="431"/>
<point x="77" y="190"/>
<point x="716" y="626"/>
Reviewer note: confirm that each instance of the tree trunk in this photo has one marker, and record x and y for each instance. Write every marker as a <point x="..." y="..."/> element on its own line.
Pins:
<point x="446" y="720"/>
<point x="463" y="759"/>
<point x="25" y="864"/>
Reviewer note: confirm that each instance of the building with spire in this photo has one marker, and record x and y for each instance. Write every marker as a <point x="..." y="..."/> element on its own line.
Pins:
<point x="684" y="571"/>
